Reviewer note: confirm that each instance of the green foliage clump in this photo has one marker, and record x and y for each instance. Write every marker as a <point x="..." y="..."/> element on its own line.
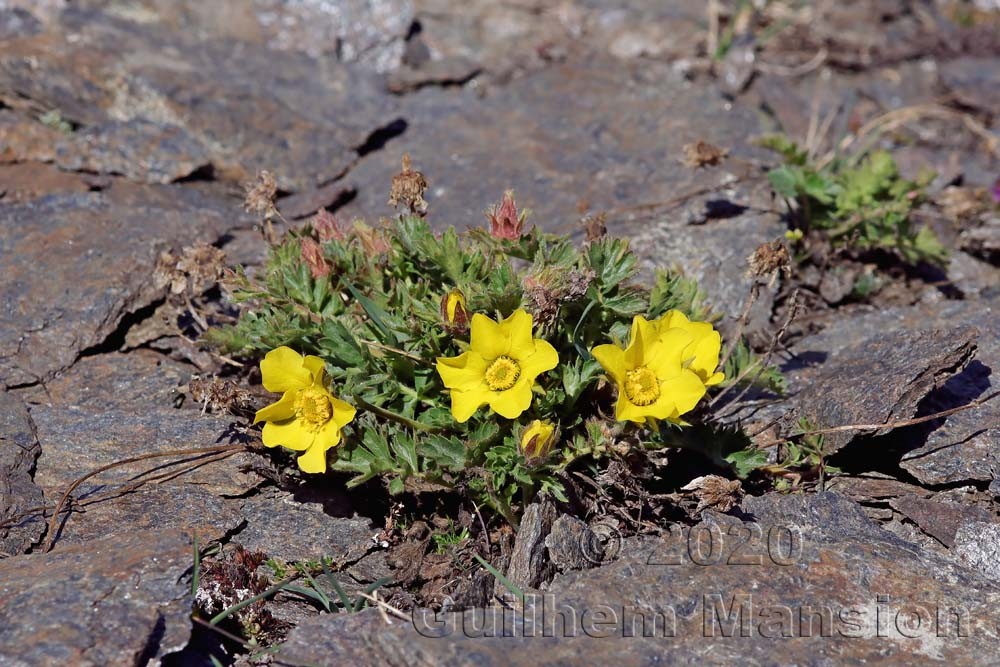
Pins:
<point x="860" y="204"/>
<point x="370" y="305"/>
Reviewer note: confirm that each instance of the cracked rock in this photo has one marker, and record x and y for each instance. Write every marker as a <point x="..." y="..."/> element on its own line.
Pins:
<point x="122" y="600"/>
<point x="891" y="371"/>
<point x="849" y="592"/>
<point x="98" y="251"/>
<point x="19" y="450"/>
<point x="286" y="528"/>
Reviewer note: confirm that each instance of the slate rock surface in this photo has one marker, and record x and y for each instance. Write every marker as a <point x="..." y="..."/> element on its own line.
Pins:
<point x="19" y="449"/>
<point x="893" y="368"/>
<point x="99" y="251"/>
<point x="123" y="600"/>
<point x="881" y="598"/>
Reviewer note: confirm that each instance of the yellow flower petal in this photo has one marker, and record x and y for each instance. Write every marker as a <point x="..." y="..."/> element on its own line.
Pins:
<point x="612" y="360"/>
<point x="461" y="372"/>
<point x="664" y="355"/>
<point x="314" y="460"/>
<point x="316" y="368"/>
<point x="283" y="369"/>
<point x="517" y="330"/>
<point x="715" y="379"/>
<point x="283" y="408"/>
<point x="487" y="339"/>
<point x="290" y="434"/>
<point x="626" y="410"/>
<point x="543" y="358"/>
<point x="465" y="403"/>
<point x="343" y="414"/>
<point x="684" y="390"/>
<point x="511" y="403"/>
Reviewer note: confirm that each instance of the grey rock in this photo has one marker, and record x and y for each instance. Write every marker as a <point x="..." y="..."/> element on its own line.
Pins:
<point x="891" y="371"/>
<point x="977" y="545"/>
<point x="99" y="251"/>
<point x="19" y="450"/>
<point x="247" y="107"/>
<point x="114" y="380"/>
<point x="17" y="22"/>
<point x="529" y="561"/>
<point x="572" y="545"/>
<point x="122" y="600"/>
<point x="940" y="520"/>
<point x="76" y="441"/>
<point x="283" y="527"/>
<point x="366" y="31"/>
<point x="965" y="445"/>
<point x="139" y="149"/>
<point x="863" y="584"/>
<point x="975" y="82"/>
<point x="114" y="406"/>
<point x="617" y="149"/>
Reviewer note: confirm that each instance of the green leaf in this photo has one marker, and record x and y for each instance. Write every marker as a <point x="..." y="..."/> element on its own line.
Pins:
<point x="785" y="181"/>
<point x="746" y="461"/>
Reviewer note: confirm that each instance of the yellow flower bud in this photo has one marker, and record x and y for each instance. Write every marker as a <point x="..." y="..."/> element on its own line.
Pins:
<point x="794" y="235"/>
<point x="537" y="440"/>
<point x="454" y="311"/>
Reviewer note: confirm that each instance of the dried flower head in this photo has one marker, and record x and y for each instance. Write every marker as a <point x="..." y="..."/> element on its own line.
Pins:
<point x="715" y="492"/>
<point x="549" y="288"/>
<point x="594" y="226"/>
<point x="701" y="154"/>
<point x="312" y="255"/>
<point x="408" y="189"/>
<point x="326" y="227"/>
<point x="197" y="269"/>
<point x="768" y="259"/>
<point x="260" y="195"/>
<point x="219" y="395"/>
<point x="505" y="221"/>
<point x="231" y="580"/>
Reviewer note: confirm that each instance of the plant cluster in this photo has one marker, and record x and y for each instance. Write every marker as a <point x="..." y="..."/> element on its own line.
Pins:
<point x="856" y="203"/>
<point x="488" y="361"/>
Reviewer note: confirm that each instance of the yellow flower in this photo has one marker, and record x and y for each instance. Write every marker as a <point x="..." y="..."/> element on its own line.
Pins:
<point x="702" y="354"/>
<point x="537" y="440"/>
<point x="499" y="369"/>
<point x="651" y="377"/>
<point x="307" y="418"/>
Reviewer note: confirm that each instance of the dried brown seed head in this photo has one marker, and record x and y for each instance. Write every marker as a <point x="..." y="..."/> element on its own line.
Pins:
<point x="408" y="188"/>
<point x="701" y="154"/>
<point x="260" y="195"/>
<point x="769" y="258"/>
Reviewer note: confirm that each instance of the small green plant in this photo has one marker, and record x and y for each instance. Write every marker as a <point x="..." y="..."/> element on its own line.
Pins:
<point x="487" y="361"/>
<point x="859" y="203"/>
<point x="445" y="541"/>
<point x="55" y="120"/>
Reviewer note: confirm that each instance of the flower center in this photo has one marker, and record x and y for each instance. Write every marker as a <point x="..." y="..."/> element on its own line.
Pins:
<point x="502" y="373"/>
<point x="313" y="407"/>
<point x="641" y="386"/>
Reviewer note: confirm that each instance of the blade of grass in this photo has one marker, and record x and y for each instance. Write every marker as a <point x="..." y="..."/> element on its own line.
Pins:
<point x="515" y="591"/>
<point x="344" y="600"/>
<point x="226" y="613"/>
<point x="196" y="570"/>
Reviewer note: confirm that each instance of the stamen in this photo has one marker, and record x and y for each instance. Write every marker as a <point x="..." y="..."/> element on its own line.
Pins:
<point x="313" y="407"/>
<point x="502" y="373"/>
<point x="641" y="386"/>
